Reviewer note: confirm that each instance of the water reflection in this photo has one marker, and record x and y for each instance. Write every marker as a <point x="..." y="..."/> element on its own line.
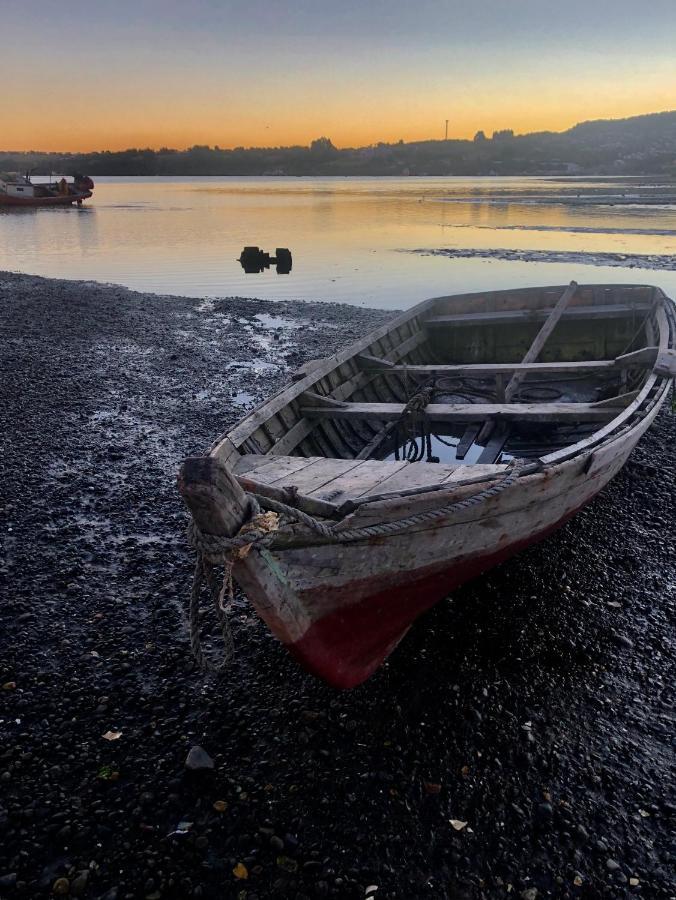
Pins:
<point x="185" y="235"/>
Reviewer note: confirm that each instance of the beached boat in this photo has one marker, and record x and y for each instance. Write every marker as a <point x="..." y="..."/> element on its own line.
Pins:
<point x="433" y="448"/>
<point x="19" y="190"/>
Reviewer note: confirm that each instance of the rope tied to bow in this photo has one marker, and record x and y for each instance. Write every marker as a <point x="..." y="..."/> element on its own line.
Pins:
<point x="213" y="550"/>
<point x="261" y="529"/>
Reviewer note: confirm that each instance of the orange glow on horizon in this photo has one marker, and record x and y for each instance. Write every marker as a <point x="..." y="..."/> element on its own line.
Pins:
<point x="24" y="130"/>
<point x="94" y="136"/>
<point x="53" y="110"/>
<point x="254" y="73"/>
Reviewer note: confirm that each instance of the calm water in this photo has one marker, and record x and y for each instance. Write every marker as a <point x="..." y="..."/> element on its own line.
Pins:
<point x="351" y="238"/>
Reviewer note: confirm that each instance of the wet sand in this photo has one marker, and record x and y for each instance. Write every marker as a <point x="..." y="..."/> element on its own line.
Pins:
<point x="536" y="706"/>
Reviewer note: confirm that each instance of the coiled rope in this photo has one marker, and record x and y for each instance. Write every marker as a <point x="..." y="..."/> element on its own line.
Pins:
<point x="213" y="550"/>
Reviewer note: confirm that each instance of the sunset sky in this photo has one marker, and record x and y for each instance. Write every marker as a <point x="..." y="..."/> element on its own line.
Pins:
<point x="81" y="76"/>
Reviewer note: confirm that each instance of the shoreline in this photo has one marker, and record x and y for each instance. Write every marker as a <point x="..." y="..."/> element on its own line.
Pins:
<point x="533" y="706"/>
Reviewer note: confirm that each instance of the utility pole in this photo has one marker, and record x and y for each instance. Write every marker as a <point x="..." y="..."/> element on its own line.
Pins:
<point x="446" y="135"/>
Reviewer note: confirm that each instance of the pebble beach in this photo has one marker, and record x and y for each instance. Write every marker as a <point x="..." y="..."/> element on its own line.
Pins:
<point x="518" y="744"/>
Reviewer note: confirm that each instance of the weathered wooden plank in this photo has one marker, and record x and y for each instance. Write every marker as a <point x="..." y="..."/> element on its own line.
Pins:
<point x="318" y="474"/>
<point x="506" y="317"/>
<point x="275" y="468"/>
<point x="377" y="439"/>
<point x="643" y="358"/>
<point x="335" y="441"/>
<point x="457" y="473"/>
<point x="306" y="369"/>
<point x="461" y="483"/>
<point x="477" y="370"/>
<point x="311" y="397"/>
<point x="495" y="445"/>
<point x="311" y="505"/>
<point x="250" y="461"/>
<point x="408" y="476"/>
<point x="618" y="400"/>
<point x="466" y="441"/>
<point x="304" y="427"/>
<point x="472" y="412"/>
<point x="358" y="480"/>
<point x="665" y="364"/>
<point x="541" y="338"/>
<point x="376" y="363"/>
<point x="212" y="494"/>
<point x="292" y="438"/>
<point x="623" y="415"/>
<point x="244" y="429"/>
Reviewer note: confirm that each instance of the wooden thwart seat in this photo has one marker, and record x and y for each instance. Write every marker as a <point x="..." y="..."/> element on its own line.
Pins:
<point x="471" y="412"/>
<point x="521" y="316"/>
<point x="644" y="359"/>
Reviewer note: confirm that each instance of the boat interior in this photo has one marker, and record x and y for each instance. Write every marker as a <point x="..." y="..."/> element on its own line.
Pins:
<point x="457" y="385"/>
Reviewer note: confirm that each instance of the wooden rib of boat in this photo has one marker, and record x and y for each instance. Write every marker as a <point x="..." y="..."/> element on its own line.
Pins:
<point x="540" y="393"/>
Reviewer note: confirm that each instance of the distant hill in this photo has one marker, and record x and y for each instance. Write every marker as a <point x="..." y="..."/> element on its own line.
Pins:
<point x="653" y="126"/>
<point x="641" y="145"/>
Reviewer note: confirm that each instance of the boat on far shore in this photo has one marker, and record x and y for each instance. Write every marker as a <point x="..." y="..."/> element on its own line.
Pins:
<point x="19" y="190"/>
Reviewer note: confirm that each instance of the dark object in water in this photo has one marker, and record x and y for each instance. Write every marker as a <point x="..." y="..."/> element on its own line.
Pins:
<point x="254" y="260"/>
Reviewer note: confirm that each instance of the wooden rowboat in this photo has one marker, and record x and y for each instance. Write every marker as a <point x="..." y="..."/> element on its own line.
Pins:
<point x="435" y="447"/>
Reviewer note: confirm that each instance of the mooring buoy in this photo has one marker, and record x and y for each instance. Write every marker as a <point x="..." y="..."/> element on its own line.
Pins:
<point x="254" y="260"/>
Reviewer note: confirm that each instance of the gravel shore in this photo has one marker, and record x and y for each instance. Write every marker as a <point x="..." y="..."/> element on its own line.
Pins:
<point x="519" y="743"/>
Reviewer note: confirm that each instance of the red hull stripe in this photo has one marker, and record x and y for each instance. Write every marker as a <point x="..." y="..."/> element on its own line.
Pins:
<point x="6" y="200"/>
<point x="346" y="647"/>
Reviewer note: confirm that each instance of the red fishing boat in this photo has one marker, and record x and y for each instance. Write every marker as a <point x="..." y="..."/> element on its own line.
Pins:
<point x="19" y="190"/>
<point x="430" y="450"/>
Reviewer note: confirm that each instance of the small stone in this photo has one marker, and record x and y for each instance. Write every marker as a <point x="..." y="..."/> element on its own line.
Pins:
<point x="276" y="842"/>
<point x="220" y="805"/>
<point x="545" y="811"/>
<point x="202" y="842"/>
<point x="529" y="894"/>
<point x="601" y="846"/>
<point x="61" y="886"/>
<point x="8" y="880"/>
<point x="9" y="686"/>
<point x="612" y="865"/>
<point x="624" y="641"/>
<point x="582" y="832"/>
<point x="79" y="885"/>
<point x="198" y="760"/>
<point x="634" y="882"/>
<point x="111" y="894"/>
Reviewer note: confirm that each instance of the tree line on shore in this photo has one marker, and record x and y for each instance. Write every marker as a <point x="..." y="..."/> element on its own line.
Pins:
<point x="635" y="146"/>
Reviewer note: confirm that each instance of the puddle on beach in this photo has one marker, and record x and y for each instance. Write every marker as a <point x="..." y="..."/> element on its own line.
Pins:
<point x="270" y="321"/>
<point x="243" y="398"/>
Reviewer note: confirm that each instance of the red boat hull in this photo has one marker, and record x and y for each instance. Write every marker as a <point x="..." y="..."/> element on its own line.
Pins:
<point x="347" y="646"/>
<point x="342" y="609"/>
<point x="59" y="200"/>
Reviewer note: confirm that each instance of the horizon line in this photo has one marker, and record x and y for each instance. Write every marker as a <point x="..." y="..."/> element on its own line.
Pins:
<point x="218" y="148"/>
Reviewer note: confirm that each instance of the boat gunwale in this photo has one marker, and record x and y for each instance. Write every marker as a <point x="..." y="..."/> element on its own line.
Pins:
<point x="228" y="445"/>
